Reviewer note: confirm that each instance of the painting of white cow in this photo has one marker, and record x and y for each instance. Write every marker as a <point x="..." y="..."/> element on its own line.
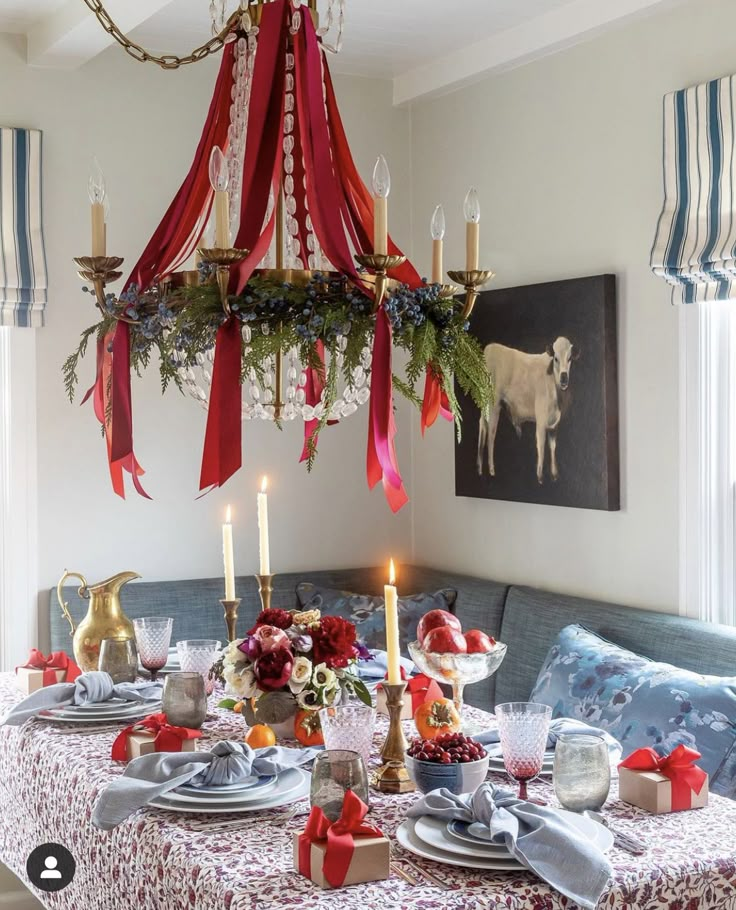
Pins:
<point x="551" y="435"/>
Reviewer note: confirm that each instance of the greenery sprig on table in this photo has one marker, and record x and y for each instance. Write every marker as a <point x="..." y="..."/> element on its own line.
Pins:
<point x="182" y="323"/>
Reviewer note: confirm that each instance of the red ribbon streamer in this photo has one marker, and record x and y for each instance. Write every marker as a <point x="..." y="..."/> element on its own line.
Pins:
<point x="421" y="688"/>
<point x="340" y="838"/>
<point x="686" y="778"/>
<point x="223" y="455"/>
<point x="57" y="660"/>
<point x="435" y="401"/>
<point x="168" y="738"/>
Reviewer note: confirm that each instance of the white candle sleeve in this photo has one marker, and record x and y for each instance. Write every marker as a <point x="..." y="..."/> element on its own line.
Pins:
<point x="393" y="650"/>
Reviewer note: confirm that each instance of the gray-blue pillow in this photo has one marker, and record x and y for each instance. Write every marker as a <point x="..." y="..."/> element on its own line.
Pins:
<point x="368" y="612"/>
<point x="642" y="702"/>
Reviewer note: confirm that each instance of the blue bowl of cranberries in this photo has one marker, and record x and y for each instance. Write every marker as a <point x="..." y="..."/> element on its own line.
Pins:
<point x="452" y="760"/>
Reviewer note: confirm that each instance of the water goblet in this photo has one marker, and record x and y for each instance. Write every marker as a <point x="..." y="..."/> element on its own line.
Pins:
<point x="184" y="701"/>
<point x="119" y="658"/>
<point x="523" y="728"/>
<point x="153" y="636"/>
<point x="333" y="774"/>
<point x="582" y="771"/>
<point x="198" y="655"/>
<point x="349" y="727"/>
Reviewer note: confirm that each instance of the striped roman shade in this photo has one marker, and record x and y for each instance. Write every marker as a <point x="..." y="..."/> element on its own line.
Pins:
<point x="695" y="245"/>
<point x="22" y="258"/>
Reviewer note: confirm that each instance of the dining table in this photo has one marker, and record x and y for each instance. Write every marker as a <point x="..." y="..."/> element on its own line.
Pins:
<point x="52" y="775"/>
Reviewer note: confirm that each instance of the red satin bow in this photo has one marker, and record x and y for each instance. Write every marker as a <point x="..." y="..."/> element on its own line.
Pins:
<point x="421" y="688"/>
<point x="435" y="401"/>
<point x="168" y="738"/>
<point x="686" y="778"/>
<point x="340" y="838"/>
<point x="57" y="660"/>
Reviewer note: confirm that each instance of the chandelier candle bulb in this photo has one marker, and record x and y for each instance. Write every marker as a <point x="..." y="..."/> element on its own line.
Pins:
<point x="393" y="653"/>
<point x="219" y="179"/>
<point x="438" y="234"/>
<point x="227" y="555"/>
<point x="265" y="554"/>
<point x="97" y="196"/>
<point x="472" y="229"/>
<point x="381" y="189"/>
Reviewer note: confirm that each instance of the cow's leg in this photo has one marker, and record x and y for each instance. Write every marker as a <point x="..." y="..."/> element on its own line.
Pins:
<point x="492" y="427"/>
<point x="482" y="441"/>
<point x="553" y="454"/>
<point x="541" y="444"/>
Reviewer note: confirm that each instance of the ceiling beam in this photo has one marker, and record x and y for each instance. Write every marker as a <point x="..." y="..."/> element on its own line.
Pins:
<point x="72" y="35"/>
<point x="576" y="21"/>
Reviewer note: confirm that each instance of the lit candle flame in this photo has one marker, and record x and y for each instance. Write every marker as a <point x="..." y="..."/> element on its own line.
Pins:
<point x="228" y="515"/>
<point x="264" y="484"/>
<point x="391" y="573"/>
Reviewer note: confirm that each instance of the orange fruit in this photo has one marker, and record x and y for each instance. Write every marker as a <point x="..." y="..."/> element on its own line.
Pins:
<point x="259" y="736"/>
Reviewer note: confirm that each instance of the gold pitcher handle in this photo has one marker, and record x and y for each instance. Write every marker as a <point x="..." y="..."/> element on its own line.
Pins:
<point x="60" y="597"/>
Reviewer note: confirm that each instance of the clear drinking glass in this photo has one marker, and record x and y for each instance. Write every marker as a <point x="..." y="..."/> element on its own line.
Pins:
<point x="153" y="636"/>
<point x="334" y="773"/>
<point x="582" y="771"/>
<point x="184" y="701"/>
<point x="349" y="727"/>
<point x="119" y="658"/>
<point x="523" y="728"/>
<point x="198" y="655"/>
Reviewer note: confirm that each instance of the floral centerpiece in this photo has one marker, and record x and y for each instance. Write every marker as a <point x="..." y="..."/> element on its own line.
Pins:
<point x="291" y="662"/>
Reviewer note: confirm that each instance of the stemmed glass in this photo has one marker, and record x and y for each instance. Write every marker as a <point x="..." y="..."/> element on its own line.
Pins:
<point x="198" y="654"/>
<point x="523" y="728"/>
<point x="153" y="636"/>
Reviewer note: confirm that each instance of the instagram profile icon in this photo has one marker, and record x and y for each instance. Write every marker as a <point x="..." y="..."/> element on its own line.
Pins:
<point x="50" y="867"/>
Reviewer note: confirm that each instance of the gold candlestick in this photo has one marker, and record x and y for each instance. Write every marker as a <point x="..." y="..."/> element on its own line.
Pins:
<point x="231" y="616"/>
<point x="472" y="281"/>
<point x="265" y="589"/>
<point x="224" y="259"/>
<point x="393" y="777"/>
<point x="381" y="264"/>
<point x="101" y="271"/>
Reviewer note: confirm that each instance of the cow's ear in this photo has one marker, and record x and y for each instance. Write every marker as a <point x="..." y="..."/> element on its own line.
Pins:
<point x="575" y="352"/>
<point x="551" y="364"/>
<point x="550" y="351"/>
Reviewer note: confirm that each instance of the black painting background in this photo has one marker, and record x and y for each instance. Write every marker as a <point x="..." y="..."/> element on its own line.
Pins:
<point x="530" y="318"/>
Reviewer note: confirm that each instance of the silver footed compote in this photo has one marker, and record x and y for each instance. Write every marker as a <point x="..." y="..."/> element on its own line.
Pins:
<point x="458" y="670"/>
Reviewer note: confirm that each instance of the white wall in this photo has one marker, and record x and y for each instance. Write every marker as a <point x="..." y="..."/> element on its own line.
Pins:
<point x="566" y="154"/>
<point x="143" y="125"/>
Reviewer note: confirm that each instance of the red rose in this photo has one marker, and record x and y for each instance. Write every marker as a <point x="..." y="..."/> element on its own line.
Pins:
<point x="333" y="642"/>
<point x="273" y="669"/>
<point x="282" y="619"/>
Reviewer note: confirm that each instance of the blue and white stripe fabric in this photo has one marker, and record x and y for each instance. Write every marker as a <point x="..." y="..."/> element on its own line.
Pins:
<point x="23" y="280"/>
<point x="695" y="244"/>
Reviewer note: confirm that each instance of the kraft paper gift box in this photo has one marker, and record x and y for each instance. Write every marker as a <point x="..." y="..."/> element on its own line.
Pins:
<point x="370" y="861"/>
<point x="138" y="744"/>
<point x="30" y="680"/>
<point x="418" y="690"/>
<point x="661" y="784"/>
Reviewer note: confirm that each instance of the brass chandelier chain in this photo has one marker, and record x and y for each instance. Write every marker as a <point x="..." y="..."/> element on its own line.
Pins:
<point x="165" y="61"/>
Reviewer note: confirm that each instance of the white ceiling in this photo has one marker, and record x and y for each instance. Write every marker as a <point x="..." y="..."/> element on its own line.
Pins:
<point x="425" y="46"/>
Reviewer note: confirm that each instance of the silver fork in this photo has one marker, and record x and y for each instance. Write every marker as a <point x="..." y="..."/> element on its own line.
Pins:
<point x="621" y="839"/>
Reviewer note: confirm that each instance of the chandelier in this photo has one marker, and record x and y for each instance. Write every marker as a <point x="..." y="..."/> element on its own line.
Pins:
<point x="298" y="295"/>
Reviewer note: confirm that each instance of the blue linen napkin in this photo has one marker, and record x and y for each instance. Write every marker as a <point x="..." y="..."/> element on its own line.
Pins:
<point x="539" y="837"/>
<point x="377" y="666"/>
<point x="150" y="776"/>
<point x="88" y="688"/>
<point x="567" y="725"/>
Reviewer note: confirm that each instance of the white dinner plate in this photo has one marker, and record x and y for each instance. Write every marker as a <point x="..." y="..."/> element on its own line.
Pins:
<point x="225" y="788"/>
<point x="436" y="832"/>
<point x="138" y="711"/>
<point x="103" y="707"/>
<point x="280" y="798"/>
<point x="478" y="834"/>
<point x="262" y="787"/>
<point x="408" y="839"/>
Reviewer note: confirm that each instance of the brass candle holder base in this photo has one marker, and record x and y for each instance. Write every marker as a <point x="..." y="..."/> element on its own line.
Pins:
<point x="448" y="291"/>
<point x="100" y="270"/>
<point x="393" y="777"/>
<point x="381" y="264"/>
<point x="265" y="589"/>
<point x="231" y="616"/>
<point x="472" y="281"/>
<point x="224" y="259"/>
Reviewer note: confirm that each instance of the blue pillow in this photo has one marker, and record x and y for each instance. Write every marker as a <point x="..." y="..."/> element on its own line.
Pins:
<point x="641" y="702"/>
<point x="368" y="612"/>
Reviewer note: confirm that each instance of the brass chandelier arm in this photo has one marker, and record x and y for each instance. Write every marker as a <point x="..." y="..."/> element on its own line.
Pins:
<point x="165" y="61"/>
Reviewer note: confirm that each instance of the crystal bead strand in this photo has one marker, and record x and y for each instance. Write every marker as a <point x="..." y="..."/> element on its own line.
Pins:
<point x="292" y="228"/>
<point x="238" y="128"/>
<point x="289" y="411"/>
<point x="337" y="46"/>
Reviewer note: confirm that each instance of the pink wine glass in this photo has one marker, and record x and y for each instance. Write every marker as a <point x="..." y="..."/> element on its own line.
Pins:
<point x="153" y="636"/>
<point x="523" y="728"/>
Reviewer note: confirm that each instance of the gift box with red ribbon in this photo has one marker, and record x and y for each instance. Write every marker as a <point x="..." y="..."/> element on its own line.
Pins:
<point x="663" y="783"/>
<point x="153" y="734"/>
<point x="419" y="688"/>
<point x="345" y="852"/>
<point x="41" y="670"/>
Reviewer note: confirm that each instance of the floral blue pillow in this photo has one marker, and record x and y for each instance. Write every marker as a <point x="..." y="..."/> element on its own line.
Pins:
<point x="368" y="613"/>
<point x="642" y="702"/>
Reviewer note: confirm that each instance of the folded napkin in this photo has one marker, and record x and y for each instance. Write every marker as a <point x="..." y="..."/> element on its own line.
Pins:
<point x="87" y="689"/>
<point x="565" y="725"/>
<point x="377" y="666"/>
<point x="538" y="836"/>
<point x="149" y="776"/>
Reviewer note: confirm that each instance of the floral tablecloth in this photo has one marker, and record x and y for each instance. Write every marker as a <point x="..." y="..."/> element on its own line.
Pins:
<point x="51" y="776"/>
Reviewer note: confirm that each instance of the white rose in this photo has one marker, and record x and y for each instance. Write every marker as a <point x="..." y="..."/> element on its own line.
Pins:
<point x="241" y="682"/>
<point x="323" y="677"/>
<point x="301" y="674"/>
<point x="232" y="654"/>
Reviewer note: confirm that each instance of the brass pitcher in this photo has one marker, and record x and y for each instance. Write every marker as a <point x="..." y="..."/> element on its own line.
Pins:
<point x="104" y="619"/>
